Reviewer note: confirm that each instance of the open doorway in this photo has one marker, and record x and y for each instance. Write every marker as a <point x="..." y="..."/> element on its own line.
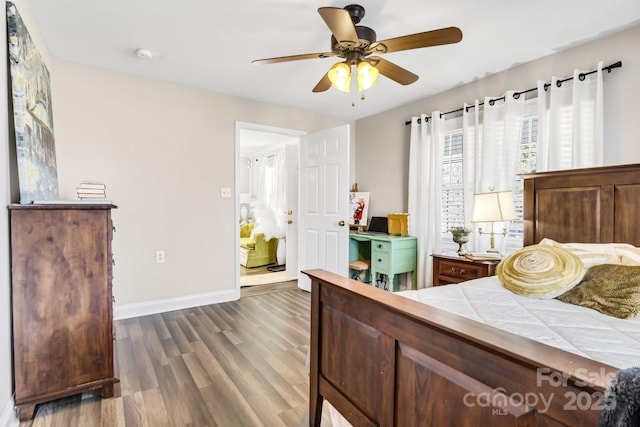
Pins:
<point x="266" y="163"/>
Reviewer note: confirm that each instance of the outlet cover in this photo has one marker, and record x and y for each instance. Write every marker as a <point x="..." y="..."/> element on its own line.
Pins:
<point x="225" y="192"/>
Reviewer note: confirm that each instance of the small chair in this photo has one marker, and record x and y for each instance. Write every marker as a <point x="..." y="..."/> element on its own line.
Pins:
<point x="358" y="270"/>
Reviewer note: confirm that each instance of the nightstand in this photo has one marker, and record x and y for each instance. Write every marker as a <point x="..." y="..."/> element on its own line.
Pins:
<point x="452" y="268"/>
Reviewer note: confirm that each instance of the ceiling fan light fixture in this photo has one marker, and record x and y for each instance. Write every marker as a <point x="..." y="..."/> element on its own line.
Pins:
<point x="340" y="76"/>
<point x="367" y="75"/>
<point x="358" y="46"/>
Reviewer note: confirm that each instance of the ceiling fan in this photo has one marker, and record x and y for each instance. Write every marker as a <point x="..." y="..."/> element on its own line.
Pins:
<point x="358" y="46"/>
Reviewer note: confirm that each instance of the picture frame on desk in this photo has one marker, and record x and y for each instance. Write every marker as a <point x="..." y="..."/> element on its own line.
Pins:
<point x="358" y="208"/>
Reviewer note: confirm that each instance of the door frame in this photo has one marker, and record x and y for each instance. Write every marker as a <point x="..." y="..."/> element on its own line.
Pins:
<point x="239" y="126"/>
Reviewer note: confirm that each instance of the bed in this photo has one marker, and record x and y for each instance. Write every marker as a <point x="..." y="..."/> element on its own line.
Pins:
<point x="387" y="360"/>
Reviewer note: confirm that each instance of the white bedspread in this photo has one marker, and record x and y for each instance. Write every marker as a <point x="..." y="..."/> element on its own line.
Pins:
<point x="576" y="329"/>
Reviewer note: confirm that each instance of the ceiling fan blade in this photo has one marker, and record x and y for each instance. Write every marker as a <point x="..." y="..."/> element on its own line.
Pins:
<point x="323" y="85"/>
<point x="339" y="22"/>
<point x="293" y="58"/>
<point x="415" y="41"/>
<point x="392" y="71"/>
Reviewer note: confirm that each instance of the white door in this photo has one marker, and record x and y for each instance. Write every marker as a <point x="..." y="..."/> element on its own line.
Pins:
<point x="323" y="225"/>
<point x="291" y="215"/>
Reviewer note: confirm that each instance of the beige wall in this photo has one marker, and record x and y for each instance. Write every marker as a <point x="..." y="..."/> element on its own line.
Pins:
<point x="383" y="140"/>
<point x="164" y="152"/>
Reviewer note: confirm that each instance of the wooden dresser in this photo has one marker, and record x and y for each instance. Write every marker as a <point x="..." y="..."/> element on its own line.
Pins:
<point x="449" y="269"/>
<point x="62" y="302"/>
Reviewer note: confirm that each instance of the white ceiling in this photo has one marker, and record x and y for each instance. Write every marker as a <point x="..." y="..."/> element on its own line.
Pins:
<point x="210" y="44"/>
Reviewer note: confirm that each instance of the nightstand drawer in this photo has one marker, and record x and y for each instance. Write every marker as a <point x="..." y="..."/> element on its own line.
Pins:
<point x="459" y="270"/>
<point x="449" y="269"/>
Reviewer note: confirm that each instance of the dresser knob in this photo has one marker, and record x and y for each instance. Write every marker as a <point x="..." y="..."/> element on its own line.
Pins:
<point x="462" y="271"/>
<point x="453" y="270"/>
<point x="379" y="260"/>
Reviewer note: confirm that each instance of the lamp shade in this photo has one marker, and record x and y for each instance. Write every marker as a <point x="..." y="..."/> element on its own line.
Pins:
<point x="493" y="207"/>
<point x="340" y="76"/>
<point x="367" y="75"/>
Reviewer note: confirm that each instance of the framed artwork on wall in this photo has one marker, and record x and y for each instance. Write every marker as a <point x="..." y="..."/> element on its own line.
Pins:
<point x="358" y="208"/>
<point x="32" y="114"/>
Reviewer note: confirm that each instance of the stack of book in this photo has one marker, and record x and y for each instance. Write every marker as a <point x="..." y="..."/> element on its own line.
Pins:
<point x="90" y="190"/>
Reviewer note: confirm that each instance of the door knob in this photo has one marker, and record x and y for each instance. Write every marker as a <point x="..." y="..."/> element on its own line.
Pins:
<point x="341" y="223"/>
<point x="289" y="221"/>
<point x="289" y="212"/>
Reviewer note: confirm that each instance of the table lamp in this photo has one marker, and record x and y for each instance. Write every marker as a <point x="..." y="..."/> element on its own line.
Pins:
<point x="493" y="207"/>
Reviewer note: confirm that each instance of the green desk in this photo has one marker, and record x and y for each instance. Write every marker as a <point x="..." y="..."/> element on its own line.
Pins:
<point x="390" y="255"/>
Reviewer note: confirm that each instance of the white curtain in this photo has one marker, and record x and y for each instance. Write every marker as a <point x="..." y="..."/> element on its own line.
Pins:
<point x="570" y="122"/>
<point x="491" y="138"/>
<point x="271" y="201"/>
<point x="425" y="191"/>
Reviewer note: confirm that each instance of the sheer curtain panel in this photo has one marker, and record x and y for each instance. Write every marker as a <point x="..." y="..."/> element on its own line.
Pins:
<point x="570" y="122"/>
<point x="425" y="190"/>
<point x="492" y="136"/>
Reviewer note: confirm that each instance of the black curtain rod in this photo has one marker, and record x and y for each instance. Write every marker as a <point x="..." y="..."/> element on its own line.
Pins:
<point x="516" y="95"/>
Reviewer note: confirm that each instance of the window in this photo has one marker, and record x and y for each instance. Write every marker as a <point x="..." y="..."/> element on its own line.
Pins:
<point x="452" y="182"/>
<point x="453" y="209"/>
<point x="526" y="164"/>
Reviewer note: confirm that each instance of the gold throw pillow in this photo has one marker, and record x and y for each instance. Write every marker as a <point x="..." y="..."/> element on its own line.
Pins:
<point x="610" y="289"/>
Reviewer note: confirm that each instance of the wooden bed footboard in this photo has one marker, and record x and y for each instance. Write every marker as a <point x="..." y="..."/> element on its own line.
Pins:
<point x="385" y="360"/>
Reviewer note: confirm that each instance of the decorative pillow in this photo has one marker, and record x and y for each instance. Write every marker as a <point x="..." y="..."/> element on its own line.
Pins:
<point x="610" y="289"/>
<point x="629" y="254"/>
<point x="541" y="271"/>
<point x="590" y="253"/>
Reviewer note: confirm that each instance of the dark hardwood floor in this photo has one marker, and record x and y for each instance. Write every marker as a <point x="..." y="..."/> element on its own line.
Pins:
<point x="240" y="363"/>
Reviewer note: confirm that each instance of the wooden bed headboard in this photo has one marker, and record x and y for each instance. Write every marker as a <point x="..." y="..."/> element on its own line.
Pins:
<point x="594" y="205"/>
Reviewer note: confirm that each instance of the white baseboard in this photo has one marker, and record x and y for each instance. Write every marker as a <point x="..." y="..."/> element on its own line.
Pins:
<point x="8" y="417"/>
<point x="127" y="311"/>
